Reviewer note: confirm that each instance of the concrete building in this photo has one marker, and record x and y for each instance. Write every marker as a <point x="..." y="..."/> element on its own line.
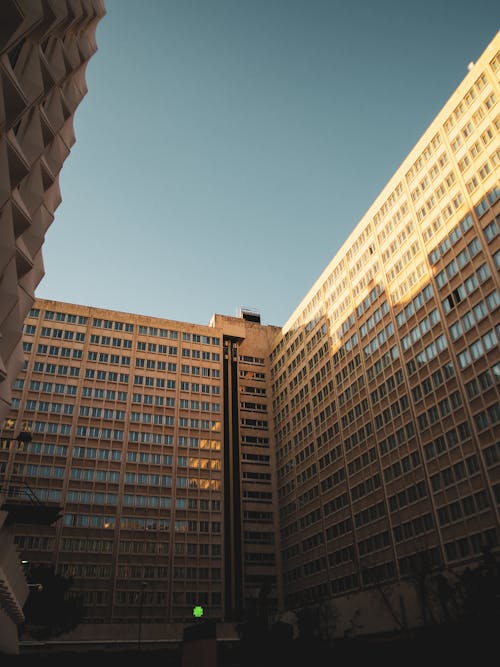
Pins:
<point x="386" y="382"/>
<point x="44" y="50"/>
<point x="337" y="462"/>
<point x="155" y="437"/>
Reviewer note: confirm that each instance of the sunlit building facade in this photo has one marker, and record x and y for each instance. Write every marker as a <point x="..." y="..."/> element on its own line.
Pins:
<point x="335" y="461"/>
<point x="386" y="379"/>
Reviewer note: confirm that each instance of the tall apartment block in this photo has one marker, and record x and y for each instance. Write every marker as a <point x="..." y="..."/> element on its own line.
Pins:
<point x="386" y="380"/>
<point x="44" y="50"/>
<point x="154" y="436"/>
<point x="336" y="461"/>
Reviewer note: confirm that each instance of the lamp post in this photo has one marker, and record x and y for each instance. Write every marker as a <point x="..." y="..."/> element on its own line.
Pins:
<point x="141" y="603"/>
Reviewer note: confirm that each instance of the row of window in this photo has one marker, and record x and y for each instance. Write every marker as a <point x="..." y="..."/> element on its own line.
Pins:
<point x="366" y="303"/>
<point x="150" y="418"/>
<point x="427" y="354"/>
<point x="374" y="543"/>
<point x="384" y="362"/>
<point x="484" y="381"/>
<point x="447" y="441"/>
<point x="46" y="448"/>
<point x="93" y="520"/>
<point x="386" y="386"/>
<point x="400" y="437"/>
<point x="71" y="390"/>
<point x="417" y="526"/>
<point x="357" y="437"/>
<point x="53" y="408"/>
<point x="66" y="352"/>
<point x="462" y="259"/>
<point x="119" y="342"/>
<point x="492" y="230"/>
<point x="488" y="417"/>
<point x="92" y="474"/>
<point x="470" y="505"/>
<point x="202" y="504"/>
<point x="398" y="468"/>
<point x="374" y="319"/>
<point x="436" y="412"/>
<point x="435" y="380"/>
<point x="62" y="429"/>
<point x="485" y="203"/>
<point x="94" y="498"/>
<point x="59" y="317"/>
<point x="116" y="434"/>
<point x="193" y="573"/>
<point x="167" y="439"/>
<point x="58" y="369"/>
<point x="125" y="326"/>
<point x="471" y="545"/>
<point x="478" y="348"/>
<point x="453" y="236"/>
<point x="397" y="407"/>
<point x="33" y="470"/>
<point x="370" y="514"/>
<point x="469" y="286"/>
<point x="472" y="317"/>
<point x="184" y="526"/>
<point x="67" y="334"/>
<point x="60" y="334"/>
<point x="421" y="329"/>
<point x="414" y="305"/>
<point x="200" y="354"/>
<point x="87" y="545"/>
<point x="362" y="461"/>
<point x="453" y="474"/>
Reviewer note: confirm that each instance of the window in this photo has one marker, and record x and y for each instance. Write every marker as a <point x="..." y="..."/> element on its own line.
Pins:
<point x="489" y="340"/>
<point x="477" y="349"/>
<point x="491" y="230"/>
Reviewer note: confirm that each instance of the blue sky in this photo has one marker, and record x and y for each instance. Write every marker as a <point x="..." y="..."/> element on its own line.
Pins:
<point x="226" y="148"/>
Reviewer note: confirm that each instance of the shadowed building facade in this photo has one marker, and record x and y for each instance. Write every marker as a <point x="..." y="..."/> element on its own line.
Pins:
<point x="44" y="50"/>
<point x="155" y="437"/>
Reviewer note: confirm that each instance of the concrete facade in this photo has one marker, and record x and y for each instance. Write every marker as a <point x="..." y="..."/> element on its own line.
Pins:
<point x="336" y="463"/>
<point x="44" y="49"/>
<point x="386" y="379"/>
<point x="155" y="437"/>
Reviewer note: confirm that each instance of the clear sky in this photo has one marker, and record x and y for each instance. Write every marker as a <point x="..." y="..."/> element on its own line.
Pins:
<point x="226" y="148"/>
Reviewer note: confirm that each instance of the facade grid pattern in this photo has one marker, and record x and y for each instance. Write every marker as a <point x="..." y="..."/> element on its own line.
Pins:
<point x="239" y="465"/>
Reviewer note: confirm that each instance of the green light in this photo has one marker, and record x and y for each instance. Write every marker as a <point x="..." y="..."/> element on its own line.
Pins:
<point x="198" y="611"/>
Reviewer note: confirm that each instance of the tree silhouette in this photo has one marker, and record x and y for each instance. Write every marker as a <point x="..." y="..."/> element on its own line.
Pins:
<point x="50" y="609"/>
<point x="479" y="589"/>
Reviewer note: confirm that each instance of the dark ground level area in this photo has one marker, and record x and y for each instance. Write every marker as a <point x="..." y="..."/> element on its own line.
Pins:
<point x="415" y="649"/>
